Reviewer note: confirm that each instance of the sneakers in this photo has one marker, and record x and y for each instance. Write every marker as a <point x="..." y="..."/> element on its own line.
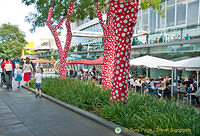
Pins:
<point x="36" y="95"/>
<point x="40" y="97"/>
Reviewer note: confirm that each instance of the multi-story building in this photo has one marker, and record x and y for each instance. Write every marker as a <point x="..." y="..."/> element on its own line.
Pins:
<point x="46" y="42"/>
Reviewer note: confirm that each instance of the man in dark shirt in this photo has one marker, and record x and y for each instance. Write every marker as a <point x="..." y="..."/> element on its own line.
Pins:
<point x="21" y="63"/>
<point x="167" y="91"/>
<point x="71" y="72"/>
<point x="13" y="63"/>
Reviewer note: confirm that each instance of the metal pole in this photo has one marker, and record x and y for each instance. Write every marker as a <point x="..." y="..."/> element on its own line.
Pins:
<point x="147" y="72"/>
<point x="172" y="82"/>
<point x="197" y="80"/>
<point x="135" y="87"/>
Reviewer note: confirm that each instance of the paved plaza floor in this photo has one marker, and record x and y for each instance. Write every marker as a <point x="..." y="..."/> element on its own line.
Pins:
<point x="21" y="114"/>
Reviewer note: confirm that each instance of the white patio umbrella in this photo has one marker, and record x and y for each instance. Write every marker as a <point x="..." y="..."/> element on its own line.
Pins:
<point x="149" y="62"/>
<point x="191" y="64"/>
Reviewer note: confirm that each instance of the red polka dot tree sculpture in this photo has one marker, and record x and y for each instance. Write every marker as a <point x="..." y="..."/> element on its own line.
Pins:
<point x="108" y="48"/>
<point x="62" y="52"/>
<point x="124" y="19"/>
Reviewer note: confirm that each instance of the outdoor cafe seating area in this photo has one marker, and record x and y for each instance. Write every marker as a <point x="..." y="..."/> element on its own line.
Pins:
<point x="185" y="89"/>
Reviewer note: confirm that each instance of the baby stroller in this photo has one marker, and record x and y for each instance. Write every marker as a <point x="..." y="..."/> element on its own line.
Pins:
<point x="3" y="79"/>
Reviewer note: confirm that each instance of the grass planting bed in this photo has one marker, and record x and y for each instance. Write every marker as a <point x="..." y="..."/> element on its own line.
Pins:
<point x="143" y="114"/>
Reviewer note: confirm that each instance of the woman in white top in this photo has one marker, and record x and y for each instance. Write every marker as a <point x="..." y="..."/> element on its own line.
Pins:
<point x="27" y="69"/>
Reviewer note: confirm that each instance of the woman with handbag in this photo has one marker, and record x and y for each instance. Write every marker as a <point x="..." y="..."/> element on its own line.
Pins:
<point x="7" y="67"/>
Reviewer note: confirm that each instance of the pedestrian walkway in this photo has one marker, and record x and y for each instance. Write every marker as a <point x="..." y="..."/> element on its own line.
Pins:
<point x="21" y="114"/>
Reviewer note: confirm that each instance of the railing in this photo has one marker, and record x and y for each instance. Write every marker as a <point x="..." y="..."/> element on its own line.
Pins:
<point x="170" y="35"/>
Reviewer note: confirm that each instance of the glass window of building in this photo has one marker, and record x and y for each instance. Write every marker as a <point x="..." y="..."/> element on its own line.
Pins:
<point x="138" y="25"/>
<point x="170" y="12"/>
<point x="193" y="9"/>
<point x="145" y="20"/>
<point x="138" y="21"/>
<point x="152" y="20"/>
<point x="181" y="12"/>
<point x="161" y="20"/>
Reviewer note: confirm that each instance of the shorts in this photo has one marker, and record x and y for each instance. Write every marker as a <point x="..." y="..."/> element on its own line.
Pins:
<point x="38" y="86"/>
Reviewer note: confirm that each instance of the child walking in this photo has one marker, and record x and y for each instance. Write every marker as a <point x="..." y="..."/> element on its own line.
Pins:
<point x="18" y="78"/>
<point x="38" y="83"/>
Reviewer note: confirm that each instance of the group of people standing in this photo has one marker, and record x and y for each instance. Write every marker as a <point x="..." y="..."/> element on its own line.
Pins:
<point x="9" y="69"/>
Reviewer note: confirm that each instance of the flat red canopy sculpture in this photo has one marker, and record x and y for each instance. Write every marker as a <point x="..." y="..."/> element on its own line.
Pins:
<point x="83" y="61"/>
<point x="98" y="61"/>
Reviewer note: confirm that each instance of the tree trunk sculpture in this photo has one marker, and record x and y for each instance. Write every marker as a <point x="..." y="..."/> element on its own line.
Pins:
<point x="108" y="48"/>
<point x="62" y="52"/>
<point x="124" y="20"/>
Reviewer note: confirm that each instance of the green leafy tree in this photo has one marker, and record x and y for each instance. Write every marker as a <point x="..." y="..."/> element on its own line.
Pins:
<point x="12" y="40"/>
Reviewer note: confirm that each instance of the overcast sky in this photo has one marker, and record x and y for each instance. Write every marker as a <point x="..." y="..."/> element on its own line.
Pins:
<point x="14" y="11"/>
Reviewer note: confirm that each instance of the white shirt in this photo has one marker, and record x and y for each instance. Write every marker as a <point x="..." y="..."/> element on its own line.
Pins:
<point x="27" y="68"/>
<point x="132" y="81"/>
<point x="38" y="77"/>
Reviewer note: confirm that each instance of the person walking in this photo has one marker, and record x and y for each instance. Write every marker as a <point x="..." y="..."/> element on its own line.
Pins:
<point x="38" y="83"/>
<point x="27" y="69"/>
<point x="13" y="71"/>
<point x="75" y="73"/>
<point x="7" y="67"/>
<point x="18" y="73"/>
<point x="21" y="63"/>
<point x="71" y="73"/>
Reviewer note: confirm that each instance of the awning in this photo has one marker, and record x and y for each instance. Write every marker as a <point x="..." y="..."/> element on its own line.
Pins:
<point x="95" y="62"/>
<point x="191" y="64"/>
<point x="149" y="61"/>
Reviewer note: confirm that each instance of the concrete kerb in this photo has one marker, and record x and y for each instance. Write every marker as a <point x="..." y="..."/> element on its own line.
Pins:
<point x="88" y="115"/>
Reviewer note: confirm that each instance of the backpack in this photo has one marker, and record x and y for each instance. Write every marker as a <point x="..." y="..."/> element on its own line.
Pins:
<point x="8" y="66"/>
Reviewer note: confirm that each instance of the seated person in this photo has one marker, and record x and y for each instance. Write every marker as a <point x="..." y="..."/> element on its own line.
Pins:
<point x="167" y="91"/>
<point x="151" y="86"/>
<point x="193" y="97"/>
<point x="183" y="87"/>
<point x="94" y="78"/>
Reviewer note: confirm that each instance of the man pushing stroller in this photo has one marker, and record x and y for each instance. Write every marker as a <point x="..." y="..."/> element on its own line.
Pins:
<point x="7" y="68"/>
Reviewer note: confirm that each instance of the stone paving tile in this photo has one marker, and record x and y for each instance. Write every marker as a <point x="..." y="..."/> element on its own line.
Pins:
<point x="5" y="110"/>
<point x="10" y="121"/>
<point x="4" y="130"/>
<point x="19" y="130"/>
<point x="9" y="115"/>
